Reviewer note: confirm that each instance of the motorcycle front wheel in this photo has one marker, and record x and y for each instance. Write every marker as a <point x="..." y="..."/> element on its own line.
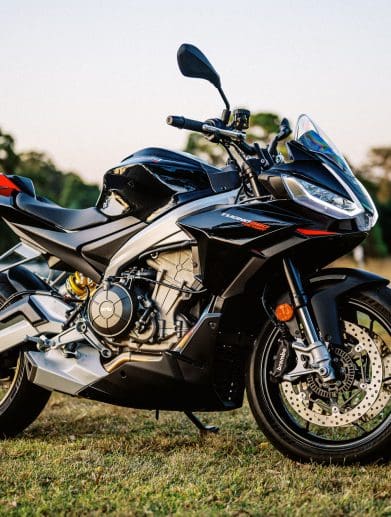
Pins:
<point x="343" y="422"/>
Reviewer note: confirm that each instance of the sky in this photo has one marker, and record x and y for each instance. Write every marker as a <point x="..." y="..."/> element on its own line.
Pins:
<point x="91" y="81"/>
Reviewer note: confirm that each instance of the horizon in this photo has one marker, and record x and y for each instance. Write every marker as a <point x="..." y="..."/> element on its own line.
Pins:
<point x="67" y="92"/>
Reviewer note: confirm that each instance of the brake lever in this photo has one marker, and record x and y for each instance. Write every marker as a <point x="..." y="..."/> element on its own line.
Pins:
<point x="284" y="131"/>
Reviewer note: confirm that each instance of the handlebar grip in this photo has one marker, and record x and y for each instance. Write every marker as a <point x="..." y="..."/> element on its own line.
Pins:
<point x="185" y="123"/>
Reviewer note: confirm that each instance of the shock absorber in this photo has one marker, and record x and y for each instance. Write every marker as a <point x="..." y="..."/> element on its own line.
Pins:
<point x="79" y="285"/>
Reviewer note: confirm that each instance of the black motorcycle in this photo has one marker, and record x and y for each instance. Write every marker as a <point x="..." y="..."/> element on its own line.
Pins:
<point x="187" y="284"/>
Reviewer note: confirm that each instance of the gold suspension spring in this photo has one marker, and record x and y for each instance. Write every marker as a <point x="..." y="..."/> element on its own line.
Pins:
<point x="79" y="285"/>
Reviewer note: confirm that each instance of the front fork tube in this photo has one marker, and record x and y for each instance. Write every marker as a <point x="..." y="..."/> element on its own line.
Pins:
<point x="316" y="350"/>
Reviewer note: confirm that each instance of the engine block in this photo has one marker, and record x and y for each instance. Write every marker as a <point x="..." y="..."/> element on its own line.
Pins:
<point x="144" y="308"/>
<point x="174" y="268"/>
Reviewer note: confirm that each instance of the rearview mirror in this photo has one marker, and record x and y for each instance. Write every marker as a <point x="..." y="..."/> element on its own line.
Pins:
<point x="193" y="63"/>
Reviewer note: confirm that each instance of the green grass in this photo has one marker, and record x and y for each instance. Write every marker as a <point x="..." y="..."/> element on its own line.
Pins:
<point x="86" y="458"/>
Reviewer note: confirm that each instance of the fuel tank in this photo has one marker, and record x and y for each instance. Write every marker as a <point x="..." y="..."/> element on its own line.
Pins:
<point x="153" y="180"/>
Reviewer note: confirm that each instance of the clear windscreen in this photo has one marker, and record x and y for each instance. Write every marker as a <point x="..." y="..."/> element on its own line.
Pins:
<point x="310" y="136"/>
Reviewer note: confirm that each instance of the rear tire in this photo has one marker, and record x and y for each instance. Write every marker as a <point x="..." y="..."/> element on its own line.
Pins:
<point x="288" y="432"/>
<point x="20" y="401"/>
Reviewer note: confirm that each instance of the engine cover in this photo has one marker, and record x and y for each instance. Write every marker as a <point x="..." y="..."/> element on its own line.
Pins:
<point x="111" y="310"/>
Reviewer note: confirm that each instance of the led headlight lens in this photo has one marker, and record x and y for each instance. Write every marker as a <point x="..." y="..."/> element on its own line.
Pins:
<point x="320" y="199"/>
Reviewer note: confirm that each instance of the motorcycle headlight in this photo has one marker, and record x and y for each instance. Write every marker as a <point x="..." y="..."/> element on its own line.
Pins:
<point x="320" y="199"/>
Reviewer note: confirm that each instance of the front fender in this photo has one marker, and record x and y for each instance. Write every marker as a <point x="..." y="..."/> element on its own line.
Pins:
<point x="327" y="287"/>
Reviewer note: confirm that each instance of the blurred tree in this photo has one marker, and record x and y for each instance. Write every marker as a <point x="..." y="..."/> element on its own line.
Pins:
<point x="376" y="175"/>
<point x="8" y="157"/>
<point x="262" y="127"/>
<point x="374" y="244"/>
<point x="77" y="194"/>
<point x="47" y="179"/>
<point x="66" y="189"/>
<point x="378" y="169"/>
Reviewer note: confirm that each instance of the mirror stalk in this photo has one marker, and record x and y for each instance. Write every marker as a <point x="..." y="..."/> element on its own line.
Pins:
<point x="227" y="112"/>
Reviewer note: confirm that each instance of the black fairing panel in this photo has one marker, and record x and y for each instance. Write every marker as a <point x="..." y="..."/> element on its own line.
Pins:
<point x="25" y="184"/>
<point x="300" y="154"/>
<point x="310" y="167"/>
<point x="154" y="385"/>
<point x="87" y="251"/>
<point x="199" y="377"/>
<point x="152" y="181"/>
<point x="310" y="170"/>
<point x="22" y="279"/>
<point x="235" y="242"/>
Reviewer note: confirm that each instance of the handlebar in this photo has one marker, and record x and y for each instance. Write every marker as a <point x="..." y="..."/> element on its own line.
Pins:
<point x="207" y="128"/>
<point x="185" y="123"/>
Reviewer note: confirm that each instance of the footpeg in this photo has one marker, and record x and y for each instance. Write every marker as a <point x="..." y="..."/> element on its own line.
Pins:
<point x="42" y="343"/>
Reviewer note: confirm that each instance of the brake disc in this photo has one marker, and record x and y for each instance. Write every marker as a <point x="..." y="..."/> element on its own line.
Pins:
<point x="368" y="400"/>
<point x="385" y="392"/>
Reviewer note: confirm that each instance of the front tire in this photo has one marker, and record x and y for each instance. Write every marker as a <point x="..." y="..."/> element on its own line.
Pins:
<point x="20" y="401"/>
<point x="294" y="432"/>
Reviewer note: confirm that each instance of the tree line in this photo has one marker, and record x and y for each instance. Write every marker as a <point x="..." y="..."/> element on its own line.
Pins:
<point x="69" y="190"/>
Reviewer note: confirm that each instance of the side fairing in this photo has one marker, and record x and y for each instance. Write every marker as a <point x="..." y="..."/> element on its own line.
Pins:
<point x="227" y="237"/>
<point x="235" y="242"/>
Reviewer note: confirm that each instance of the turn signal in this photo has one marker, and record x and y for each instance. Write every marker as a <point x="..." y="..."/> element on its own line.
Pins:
<point x="284" y="312"/>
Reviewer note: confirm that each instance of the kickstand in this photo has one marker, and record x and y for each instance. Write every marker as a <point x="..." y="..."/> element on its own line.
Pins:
<point x="202" y="427"/>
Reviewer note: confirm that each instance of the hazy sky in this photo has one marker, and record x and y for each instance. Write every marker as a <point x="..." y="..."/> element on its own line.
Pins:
<point x="91" y="81"/>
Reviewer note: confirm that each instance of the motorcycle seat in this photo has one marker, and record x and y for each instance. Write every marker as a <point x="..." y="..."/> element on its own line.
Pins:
<point x="66" y="218"/>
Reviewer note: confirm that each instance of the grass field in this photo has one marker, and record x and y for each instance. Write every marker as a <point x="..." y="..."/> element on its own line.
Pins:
<point x="86" y="458"/>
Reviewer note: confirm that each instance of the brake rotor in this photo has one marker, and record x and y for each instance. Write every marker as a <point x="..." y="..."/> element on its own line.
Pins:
<point x="385" y="392"/>
<point x="324" y="410"/>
